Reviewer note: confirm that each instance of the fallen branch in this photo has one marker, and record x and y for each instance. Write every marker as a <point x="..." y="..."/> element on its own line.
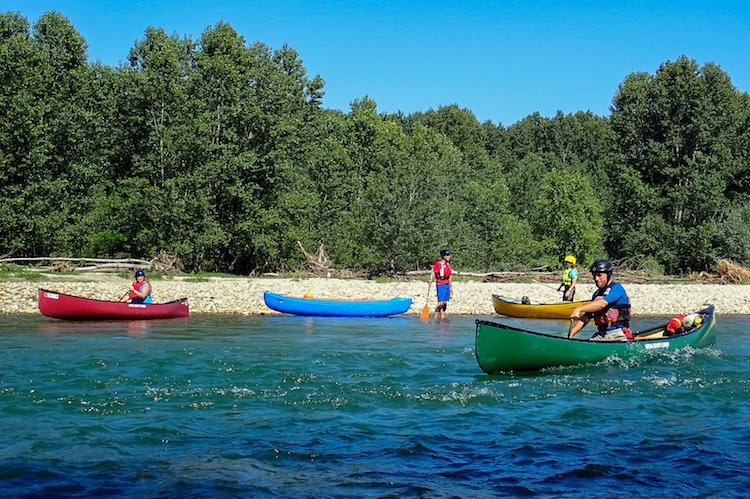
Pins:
<point x="84" y="260"/>
<point x="318" y="264"/>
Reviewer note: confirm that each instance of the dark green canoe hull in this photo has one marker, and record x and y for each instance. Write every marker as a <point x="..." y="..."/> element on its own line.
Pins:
<point x="500" y="347"/>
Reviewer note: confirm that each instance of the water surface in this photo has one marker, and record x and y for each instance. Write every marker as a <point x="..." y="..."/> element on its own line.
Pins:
<point x="221" y="406"/>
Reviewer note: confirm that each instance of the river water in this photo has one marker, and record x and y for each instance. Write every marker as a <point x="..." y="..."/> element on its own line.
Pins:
<point x="226" y="406"/>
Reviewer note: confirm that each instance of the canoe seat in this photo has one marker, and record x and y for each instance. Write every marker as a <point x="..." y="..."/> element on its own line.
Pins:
<point x="652" y="336"/>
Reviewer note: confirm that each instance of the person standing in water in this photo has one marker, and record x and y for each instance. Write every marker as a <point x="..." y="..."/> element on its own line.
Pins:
<point x="441" y="274"/>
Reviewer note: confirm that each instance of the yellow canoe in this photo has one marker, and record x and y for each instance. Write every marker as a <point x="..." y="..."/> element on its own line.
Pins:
<point x="514" y="308"/>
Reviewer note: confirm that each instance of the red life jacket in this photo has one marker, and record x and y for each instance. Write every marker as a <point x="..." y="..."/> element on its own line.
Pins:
<point x="612" y="316"/>
<point x="139" y="287"/>
<point x="442" y="270"/>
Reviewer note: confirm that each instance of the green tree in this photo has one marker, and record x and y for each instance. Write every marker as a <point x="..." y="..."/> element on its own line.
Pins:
<point x="568" y="216"/>
<point x="53" y="136"/>
<point x="676" y="131"/>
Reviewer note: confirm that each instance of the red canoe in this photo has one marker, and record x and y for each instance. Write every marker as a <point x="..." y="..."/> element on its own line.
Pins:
<point x="75" y="308"/>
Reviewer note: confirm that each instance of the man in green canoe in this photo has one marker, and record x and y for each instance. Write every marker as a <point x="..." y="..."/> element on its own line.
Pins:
<point x="609" y="307"/>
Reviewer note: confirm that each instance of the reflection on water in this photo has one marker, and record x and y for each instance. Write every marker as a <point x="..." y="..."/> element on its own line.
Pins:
<point x="309" y="326"/>
<point x="136" y="327"/>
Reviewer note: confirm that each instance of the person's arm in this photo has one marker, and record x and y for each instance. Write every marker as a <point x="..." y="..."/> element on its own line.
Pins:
<point x="130" y="293"/>
<point x="579" y="315"/>
<point x="577" y="326"/>
<point x="435" y="269"/>
<point x="591" y="306"/>
<point x="572" y="285"/>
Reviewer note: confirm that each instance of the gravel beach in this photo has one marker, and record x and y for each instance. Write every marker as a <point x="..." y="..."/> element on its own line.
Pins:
<point x="245" y="295"/>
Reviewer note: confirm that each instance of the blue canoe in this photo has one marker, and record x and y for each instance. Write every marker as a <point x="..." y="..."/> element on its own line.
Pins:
<point x="336" y="308"/>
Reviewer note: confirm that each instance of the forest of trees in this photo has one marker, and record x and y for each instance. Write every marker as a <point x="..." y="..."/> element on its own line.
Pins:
<point x="222" y="152"/>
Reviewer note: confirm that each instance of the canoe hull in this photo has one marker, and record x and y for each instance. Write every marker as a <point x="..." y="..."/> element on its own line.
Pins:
<point x="336" y="308"/>
<point x="75" y="308"/>
<point x="501" y="348"/>
<point x="514" y="308"/>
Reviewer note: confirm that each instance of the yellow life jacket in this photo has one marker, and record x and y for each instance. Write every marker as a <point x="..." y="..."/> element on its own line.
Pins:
<point x="566" y="279"/>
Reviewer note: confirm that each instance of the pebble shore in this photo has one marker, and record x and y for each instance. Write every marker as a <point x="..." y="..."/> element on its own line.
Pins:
<point x="245" y="295"/>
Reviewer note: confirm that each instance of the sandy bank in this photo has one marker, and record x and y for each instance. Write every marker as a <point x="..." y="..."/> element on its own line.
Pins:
<point x="245" y="295"/>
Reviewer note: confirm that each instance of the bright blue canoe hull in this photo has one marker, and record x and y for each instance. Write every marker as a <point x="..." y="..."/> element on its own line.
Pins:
<point x="336" y="308"/>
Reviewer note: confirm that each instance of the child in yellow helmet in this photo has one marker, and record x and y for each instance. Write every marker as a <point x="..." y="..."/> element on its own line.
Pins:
<point x="569" y="279"/>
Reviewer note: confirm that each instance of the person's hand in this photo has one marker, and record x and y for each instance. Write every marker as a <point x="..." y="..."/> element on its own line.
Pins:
<point x="575" y="314"/>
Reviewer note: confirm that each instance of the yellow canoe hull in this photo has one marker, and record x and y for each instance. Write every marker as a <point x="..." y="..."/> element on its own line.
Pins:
<point x="514" y="308"/>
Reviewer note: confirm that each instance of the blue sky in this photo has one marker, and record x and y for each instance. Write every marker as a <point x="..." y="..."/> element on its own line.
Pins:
<point x="503" y="60"/>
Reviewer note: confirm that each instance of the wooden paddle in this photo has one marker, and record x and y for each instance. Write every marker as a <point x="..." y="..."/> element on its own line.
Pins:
<point x="127" y="293"/>
<point x="425" y="314"/>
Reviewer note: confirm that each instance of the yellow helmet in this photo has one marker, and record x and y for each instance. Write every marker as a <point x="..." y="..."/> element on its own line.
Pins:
<point x="571" y="259"/>
<point x="308" y="295"/>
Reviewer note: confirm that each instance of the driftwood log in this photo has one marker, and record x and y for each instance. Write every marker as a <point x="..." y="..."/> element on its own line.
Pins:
<point x="729" y="272"/>
<point x="163" y="262"/>
<point x="318" y="264"/>
<point x="59" y="264"/>
<point x="624" y="276"/>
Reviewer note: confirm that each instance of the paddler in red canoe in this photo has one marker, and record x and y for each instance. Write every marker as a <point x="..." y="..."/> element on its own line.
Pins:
<point x="140" y="290"/>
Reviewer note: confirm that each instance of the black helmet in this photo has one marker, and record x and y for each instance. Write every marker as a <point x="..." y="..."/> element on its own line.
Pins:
<point x="140" y="272"/>
<point x="602" y="266"/>
<point x="445" y="252"/>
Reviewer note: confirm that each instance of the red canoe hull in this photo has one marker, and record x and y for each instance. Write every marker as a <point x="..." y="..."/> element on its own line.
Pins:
<point x="75" y="308"/>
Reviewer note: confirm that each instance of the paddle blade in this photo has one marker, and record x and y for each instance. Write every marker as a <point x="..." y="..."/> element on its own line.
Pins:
<point x="425" y="314"/>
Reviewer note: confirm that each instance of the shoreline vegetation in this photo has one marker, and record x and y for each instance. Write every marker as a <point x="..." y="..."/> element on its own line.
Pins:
<point x="244" y="295"/>
<point x="220" y="150"/>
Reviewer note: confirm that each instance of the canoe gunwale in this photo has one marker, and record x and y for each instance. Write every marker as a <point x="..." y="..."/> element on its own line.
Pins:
<point x="512" y="307"/>
<point x="706" y="311"/>
<point x="513" y="301"/>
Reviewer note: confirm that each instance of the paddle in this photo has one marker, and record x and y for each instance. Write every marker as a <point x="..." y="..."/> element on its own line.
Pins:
<point x="127" y="293"/>
<point x="425" y="314"/>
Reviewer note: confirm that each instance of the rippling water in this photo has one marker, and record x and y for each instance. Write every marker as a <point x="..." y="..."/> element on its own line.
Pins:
<point x="285" y="406"/>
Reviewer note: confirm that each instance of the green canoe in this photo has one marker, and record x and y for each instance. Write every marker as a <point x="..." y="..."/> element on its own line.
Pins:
<point x="500" y="347"/>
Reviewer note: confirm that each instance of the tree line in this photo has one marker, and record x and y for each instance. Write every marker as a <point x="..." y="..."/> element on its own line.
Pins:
<point x="221" y="152"/>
